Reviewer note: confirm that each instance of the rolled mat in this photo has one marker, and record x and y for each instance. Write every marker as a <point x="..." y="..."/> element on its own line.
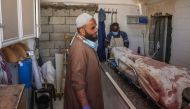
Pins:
<point x="59" y="70"/>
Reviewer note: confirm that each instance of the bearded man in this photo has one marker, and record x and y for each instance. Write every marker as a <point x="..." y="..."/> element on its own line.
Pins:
<point x="83" y="80"/>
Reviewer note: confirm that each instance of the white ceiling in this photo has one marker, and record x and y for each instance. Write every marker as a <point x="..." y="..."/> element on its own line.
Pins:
<point x="107" y="1"/>
<point x="150" y="1"/>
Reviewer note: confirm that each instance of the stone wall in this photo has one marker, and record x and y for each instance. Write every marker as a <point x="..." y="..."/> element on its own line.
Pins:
<point x="56" y="20"/>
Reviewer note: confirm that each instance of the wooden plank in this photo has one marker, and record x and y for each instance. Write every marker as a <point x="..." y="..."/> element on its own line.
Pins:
<point x="10" y="96"/>
<point x="21" y="104"/>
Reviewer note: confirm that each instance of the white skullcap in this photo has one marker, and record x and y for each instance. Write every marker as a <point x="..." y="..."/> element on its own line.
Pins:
<point x="82" y="19"/>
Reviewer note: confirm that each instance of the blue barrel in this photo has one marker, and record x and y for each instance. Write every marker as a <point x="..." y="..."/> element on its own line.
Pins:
<point x="25" y="72"/>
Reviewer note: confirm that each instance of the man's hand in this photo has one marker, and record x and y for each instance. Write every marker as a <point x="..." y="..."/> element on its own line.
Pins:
<point x="81" y="95"/>
<point x="86" y="107"/>
<point x="126" y="44"/>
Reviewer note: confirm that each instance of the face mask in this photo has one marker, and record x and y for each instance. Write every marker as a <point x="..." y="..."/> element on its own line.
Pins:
<point x="115" y="33"/>
<point x="90" y="43"/>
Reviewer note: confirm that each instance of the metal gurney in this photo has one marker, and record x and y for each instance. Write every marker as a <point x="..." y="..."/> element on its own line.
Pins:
<point x="164" y="83"/>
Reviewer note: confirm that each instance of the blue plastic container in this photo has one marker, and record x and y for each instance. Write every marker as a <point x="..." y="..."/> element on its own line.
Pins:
<point x="143" y="19"/>
<point x="25" y="72"/>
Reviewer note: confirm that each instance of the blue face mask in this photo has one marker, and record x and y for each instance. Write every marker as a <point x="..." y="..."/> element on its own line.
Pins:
<point x="90" y="43"/>
<point x="115" y="33"/>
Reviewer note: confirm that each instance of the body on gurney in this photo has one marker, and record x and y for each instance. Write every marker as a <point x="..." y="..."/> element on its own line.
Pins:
<point x="164" y="83"/>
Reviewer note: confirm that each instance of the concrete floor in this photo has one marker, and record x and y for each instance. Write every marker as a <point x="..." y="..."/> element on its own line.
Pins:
<point x="112" y="99"/>
<point x="58" y="104"/>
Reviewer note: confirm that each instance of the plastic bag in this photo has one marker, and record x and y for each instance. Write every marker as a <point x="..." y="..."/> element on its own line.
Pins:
<point x="48" y="72"/>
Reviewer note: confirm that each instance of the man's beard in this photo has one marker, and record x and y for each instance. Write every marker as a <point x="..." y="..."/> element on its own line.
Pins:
<point x="91" y="37"/>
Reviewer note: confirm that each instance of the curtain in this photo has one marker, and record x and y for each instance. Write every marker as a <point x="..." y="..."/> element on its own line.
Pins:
<point x="101" y="35"/>
<point x="160" y="35"/>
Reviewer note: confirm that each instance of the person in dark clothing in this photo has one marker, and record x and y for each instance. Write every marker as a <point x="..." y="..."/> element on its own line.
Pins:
<point x="116" y="37"/>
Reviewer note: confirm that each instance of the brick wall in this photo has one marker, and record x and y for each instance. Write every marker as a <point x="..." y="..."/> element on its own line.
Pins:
<point x="55" y="22"/>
